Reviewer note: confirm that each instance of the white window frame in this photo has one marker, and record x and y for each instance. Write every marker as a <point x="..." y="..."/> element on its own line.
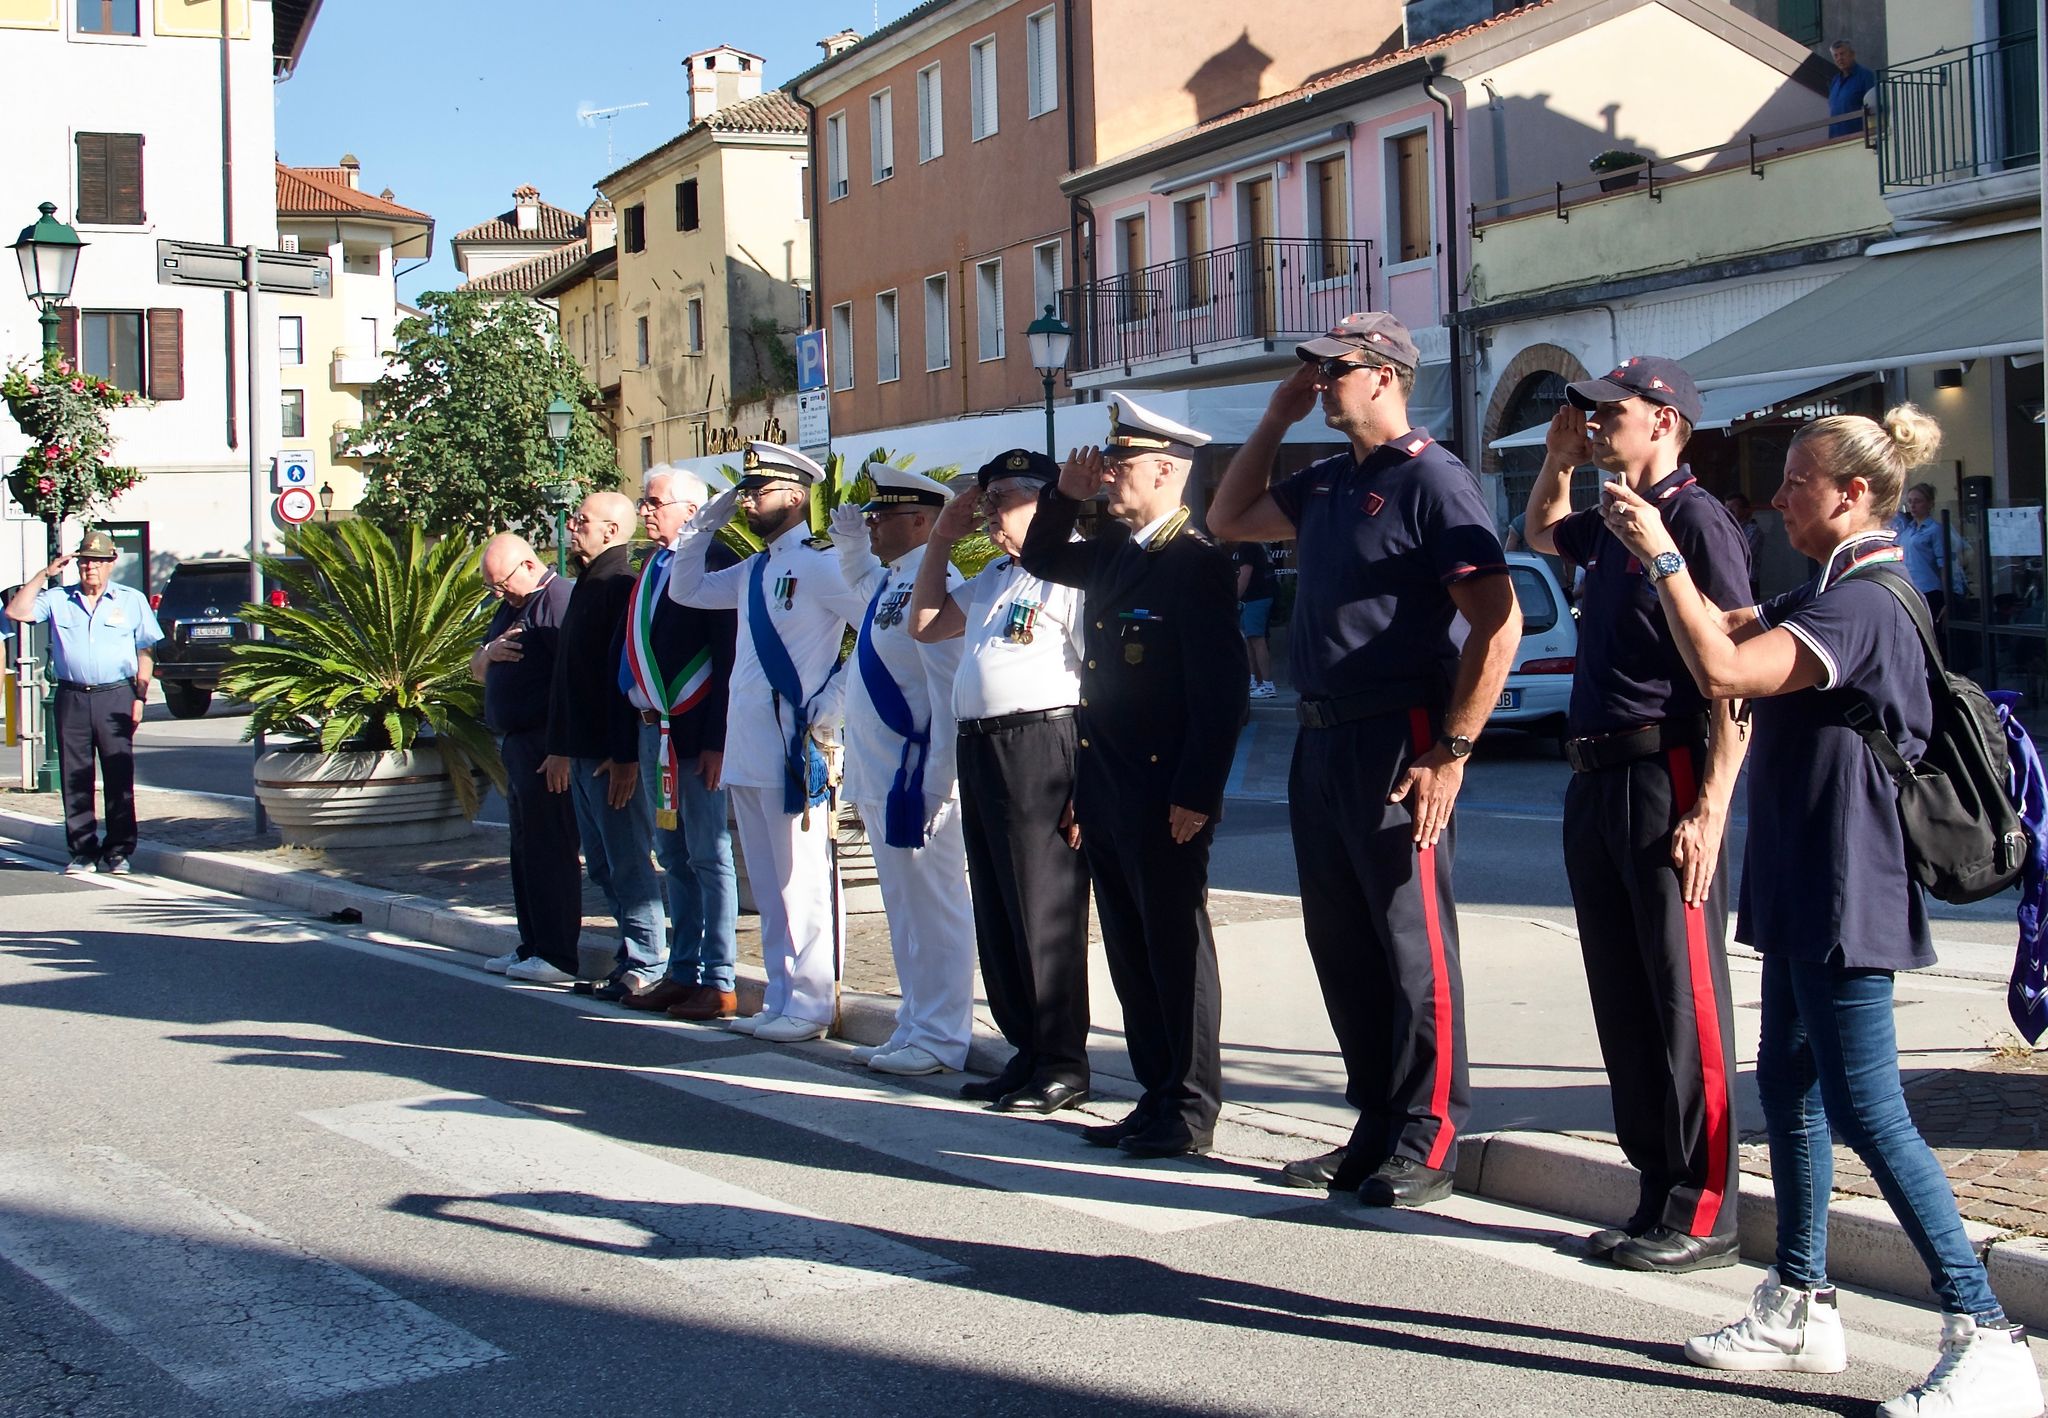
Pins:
<point x="985" y="318"/>
<point x="297" y="324"/>
<point x="881" y="136"/>
<point x="839" y="345"/>
<point x="888" y="337"/>
<point x="836" y="184"/>
<point x="1390" y="187"/>
<point x="984" y="89"/>
<point x="1041" y="63"/>
<point x="693" y="324"/>
<point x="1044" y="293"/>
<point x="1312" y="226"/>
<point x="938" y="334"/>
<point x="931" y="114"/>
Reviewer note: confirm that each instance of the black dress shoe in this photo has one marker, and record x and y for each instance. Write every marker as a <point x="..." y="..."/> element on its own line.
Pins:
<point x="986" y="1090"/>
<point x="1110" y="1134"/>
<point x="1167" y="1139"/>
<point x="1041" y="1098"/>
<point x="1313" y="1172"/>
<point x="1600" y="1245"/>
<point x="1670" y="1252"/>
<point x="1403" y="1181"/>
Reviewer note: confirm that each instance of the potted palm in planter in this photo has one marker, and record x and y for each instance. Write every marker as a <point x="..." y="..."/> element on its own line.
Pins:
<point x="1618" y="168"/>
<point x="367" y="667"/>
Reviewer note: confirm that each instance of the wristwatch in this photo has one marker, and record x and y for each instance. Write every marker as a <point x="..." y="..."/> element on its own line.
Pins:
<point x="1665" y="563"/>
<point x="1459" y="745"/>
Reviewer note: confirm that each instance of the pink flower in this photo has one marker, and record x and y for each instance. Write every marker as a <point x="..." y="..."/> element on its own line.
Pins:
<point x="32" y="389"/>
<point x="45" y="486"/>
<point x="127" y="399"/>
<point x="106" y="452"/>
<point x="78" y="386"/>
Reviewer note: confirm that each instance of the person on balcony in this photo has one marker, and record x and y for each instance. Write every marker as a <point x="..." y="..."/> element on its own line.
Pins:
<point x="1848" y="90"/>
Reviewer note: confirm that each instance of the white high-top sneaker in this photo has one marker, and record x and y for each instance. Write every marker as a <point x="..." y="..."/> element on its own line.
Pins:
<point x="1785" y="1329"/>
<point x="1982" y="1373"/>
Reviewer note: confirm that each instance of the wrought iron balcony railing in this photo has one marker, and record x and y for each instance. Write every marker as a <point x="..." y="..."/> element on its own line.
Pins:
<point x="1961" y="113"/>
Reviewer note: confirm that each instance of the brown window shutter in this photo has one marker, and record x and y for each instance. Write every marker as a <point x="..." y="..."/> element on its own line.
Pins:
<point x="67" y="332"/>
<point x="92" y="178"/>
<point x="124" y="178"/>
<point x="166" y="354"/>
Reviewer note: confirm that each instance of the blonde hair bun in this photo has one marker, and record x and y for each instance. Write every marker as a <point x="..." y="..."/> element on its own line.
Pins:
<point x="1916" y="438"/>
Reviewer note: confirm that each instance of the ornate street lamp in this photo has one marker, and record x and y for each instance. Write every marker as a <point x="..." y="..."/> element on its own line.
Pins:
<point x="48" y="252"/>
<point x="561" y="416"/>
<point x="327" y="502"/>
<point x="1049" y="339"/>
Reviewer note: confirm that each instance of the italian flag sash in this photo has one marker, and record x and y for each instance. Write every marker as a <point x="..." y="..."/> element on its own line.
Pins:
<point x="669" y="694"/>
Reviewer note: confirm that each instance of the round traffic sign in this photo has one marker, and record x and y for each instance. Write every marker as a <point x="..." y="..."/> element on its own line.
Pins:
<point x="294" y="505"/>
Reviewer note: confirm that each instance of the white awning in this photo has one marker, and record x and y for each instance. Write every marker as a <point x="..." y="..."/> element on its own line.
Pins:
<point x="1719" y="408"/>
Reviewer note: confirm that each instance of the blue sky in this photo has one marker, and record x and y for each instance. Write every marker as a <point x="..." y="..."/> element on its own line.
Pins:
<point x="453" y="103"/>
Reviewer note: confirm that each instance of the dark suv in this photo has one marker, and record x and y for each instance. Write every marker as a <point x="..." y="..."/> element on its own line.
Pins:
<point x="200" y="612"/>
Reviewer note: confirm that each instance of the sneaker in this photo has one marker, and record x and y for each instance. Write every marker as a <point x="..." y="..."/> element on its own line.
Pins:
<point x="787" y="1029"/>
<point x="1264" y="690"/>
<point x="1982" y="1373"/>
<point x="1786" y="1329"/>
<point x="117" y="866"/>
<point x="499" y="964"/>
<point x="747" y="1024"/>
<point x="81" y="866"/>
<point x="537" y="971"/>
<point x="907" y="1062"/>
<point x="867" y="1053"/>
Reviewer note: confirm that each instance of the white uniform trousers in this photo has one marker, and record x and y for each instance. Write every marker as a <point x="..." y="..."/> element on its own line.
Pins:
<point x="795" y="882"/>
<point x="931" y="935"/>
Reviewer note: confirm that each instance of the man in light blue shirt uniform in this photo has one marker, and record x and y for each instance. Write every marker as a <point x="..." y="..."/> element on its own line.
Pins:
<point x="102" y="634"/>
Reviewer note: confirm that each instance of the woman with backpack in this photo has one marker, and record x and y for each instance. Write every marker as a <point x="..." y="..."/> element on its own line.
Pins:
<point x="1828" y="900"/>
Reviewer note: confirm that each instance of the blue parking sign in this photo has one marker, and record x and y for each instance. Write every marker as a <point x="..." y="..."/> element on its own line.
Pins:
<point x="810" y="360"/>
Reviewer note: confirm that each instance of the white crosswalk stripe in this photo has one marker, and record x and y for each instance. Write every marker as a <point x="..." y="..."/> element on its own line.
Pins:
<point x="1030" y="1157"/>
<point x="733" y="1247"/>
<point x="224" y="1305"/>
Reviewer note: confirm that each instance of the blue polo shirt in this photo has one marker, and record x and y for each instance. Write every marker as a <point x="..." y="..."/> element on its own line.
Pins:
<point x="1846" y="93"/>
<point x="1825" y="867"/>
<point x="1922" y="543"/>
<point x="1629" y="672"/>
<point x="1379" y="542"/>
<point x="97" y="646"/>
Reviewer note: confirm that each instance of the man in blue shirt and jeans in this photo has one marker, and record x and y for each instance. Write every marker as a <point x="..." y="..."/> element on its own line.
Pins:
<point x="1848" y="88"/>
<point x="101" y="636"/>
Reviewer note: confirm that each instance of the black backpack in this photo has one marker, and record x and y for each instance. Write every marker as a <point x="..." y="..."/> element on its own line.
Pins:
<point x="1964" y="838"/>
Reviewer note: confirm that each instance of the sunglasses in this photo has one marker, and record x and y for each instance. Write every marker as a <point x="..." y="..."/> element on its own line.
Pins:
<point x="1333" y="369"/>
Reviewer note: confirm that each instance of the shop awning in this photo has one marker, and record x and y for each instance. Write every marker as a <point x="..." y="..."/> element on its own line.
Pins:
<point x="1719" y="407"/>
<point x="1932" y="305"/>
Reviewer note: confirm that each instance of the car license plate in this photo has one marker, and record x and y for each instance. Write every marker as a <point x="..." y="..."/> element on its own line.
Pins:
<point x="209" y="632"/>
<point x="1509" y="699"/>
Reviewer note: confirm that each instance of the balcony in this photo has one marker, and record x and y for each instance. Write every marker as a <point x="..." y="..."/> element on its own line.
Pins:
<point x="1224" y="304"/>
<point x="352" y="368"/>
<point x="1959" y="132"/>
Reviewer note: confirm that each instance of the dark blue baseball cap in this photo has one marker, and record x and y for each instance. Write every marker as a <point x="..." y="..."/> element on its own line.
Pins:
<point x="1652" y="377"/>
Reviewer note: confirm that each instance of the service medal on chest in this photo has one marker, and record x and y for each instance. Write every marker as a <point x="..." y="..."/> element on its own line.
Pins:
<point x="1134" y="653"/>
<point x="785" y="591"/>
<point x="1023" y="614"/>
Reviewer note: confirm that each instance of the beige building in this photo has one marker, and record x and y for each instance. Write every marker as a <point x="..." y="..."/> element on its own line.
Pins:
<point x="581" y="281"/>
<point x="331" y="350"/>
<point x="523" y="238"/>
<point x="693" y="318"/>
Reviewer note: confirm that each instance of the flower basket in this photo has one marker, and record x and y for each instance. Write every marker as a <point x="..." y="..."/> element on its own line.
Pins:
<point x="69" y="468"/>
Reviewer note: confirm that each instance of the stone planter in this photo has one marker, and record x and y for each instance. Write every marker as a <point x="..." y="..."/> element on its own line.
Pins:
<point x="359" y="798"/>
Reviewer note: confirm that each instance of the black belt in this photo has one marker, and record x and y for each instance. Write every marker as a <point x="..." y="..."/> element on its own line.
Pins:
<point x="1396" y="697"/>
<point x="89" y="688"/>
<point x="1588" y="755"/>
<point x="981" y="728"/>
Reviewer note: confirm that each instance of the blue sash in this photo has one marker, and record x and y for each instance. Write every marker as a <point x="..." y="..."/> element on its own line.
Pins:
<point x="805" y="781"/>
<point x="903" y="821"/>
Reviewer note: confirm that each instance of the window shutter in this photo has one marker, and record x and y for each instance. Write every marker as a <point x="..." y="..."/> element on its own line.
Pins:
<point x="1034" y="64"/>
<point x="67" y="332"/>
<point x="92" y="178"/>
<point x="124" y="167"/>
<point x="165" y="368"/>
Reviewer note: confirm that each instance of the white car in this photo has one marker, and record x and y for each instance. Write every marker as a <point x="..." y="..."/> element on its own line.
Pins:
<point x="1539" y="686"/>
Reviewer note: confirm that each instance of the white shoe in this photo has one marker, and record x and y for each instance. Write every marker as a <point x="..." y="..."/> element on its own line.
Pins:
<point x="787" y="1029"/>
<point x="499" y="964"/>
<point x="867" y="1053"/>
<point x="1786" y="1329"/>
<point x="907" y="1062"/>
<point x="748" y="1023"/>
<point x="1264" y="690"/>
<point x="1982" y="1373"/>
<point x="80" y="866"/>
<point x="537" y="971"/>
<point x="643" y="978"/>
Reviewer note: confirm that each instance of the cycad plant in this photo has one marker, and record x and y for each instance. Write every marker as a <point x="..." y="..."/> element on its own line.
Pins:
<point x="372" y="649"/>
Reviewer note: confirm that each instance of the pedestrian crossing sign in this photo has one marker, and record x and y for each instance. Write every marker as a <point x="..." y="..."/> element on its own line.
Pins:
<point x="294" y="468"/>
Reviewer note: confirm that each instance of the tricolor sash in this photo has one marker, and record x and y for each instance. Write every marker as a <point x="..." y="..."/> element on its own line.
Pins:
<point x="806" y="780"/>
<point x="670" y="695"/>
<point x="903" y="818"/>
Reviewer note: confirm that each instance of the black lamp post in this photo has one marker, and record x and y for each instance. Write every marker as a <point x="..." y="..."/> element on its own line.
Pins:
<point x="561" y="416"/>
<point x="1049" y="339"/>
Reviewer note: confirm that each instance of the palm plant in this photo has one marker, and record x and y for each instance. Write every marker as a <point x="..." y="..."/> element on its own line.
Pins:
<point x="372" y="649"/>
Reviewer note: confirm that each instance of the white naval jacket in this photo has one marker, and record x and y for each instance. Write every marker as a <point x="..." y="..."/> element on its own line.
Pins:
<point x="923" y="672"/>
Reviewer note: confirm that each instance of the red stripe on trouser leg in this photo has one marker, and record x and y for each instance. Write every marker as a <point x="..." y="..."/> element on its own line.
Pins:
<point x="1706" y="1014"/>
<point x="1439" y="988"/>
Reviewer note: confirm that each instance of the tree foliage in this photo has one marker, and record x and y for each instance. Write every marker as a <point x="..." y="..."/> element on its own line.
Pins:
<point x="455" y="435"/>
<point x="970" y="553"/>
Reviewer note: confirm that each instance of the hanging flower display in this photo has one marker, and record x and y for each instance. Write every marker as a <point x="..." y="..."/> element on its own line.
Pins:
<point x="68" y="470"/>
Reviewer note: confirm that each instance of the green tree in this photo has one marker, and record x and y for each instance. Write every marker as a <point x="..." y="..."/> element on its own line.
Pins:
<point x="455" y="436"/>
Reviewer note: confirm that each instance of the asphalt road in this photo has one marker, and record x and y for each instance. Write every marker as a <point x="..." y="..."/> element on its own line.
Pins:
<point x="252" y="1167"/>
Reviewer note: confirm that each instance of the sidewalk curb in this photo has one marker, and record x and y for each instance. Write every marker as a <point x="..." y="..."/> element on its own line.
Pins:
<point x="1553" y="1172"/>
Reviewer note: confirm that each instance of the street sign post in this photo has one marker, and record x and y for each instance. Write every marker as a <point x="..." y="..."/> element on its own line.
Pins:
<point x="294" y="505"/>
<point x="813" y="394"/>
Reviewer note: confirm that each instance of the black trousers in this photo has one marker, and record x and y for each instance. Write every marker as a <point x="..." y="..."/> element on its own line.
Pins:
<point x="97" y="722"/>
<point x="1030" y="897"/>
<point x="1657" y="970"/>
<point x="1382" y="930"/>
<point x="547" y="873"/>
<point x="1152" y="896"/>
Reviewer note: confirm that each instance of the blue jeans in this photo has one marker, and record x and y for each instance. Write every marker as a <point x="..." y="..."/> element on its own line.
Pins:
<point x="696" y="858"/>
<point x="618" y="847"/>
<point x="1828" y="1055"/>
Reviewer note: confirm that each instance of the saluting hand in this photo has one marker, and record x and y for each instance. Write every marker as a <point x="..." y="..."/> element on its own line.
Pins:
<point x="1184" y="823"/>
<point x="713" y="514"/>
<point x="1296" y="397"/>
<point x="1430" y="787"/>
<point x="1566" y="445"/>
<point x="1695" y="849"/>
<point x="849" y="524"/>
<point x="1634" y="521"/>
<point x="1083" y="474"/>
<point x="956" y="518"/>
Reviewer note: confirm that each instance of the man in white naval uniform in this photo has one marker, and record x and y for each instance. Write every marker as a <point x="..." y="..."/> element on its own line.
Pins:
<point x="900" y="749"/>
<point x="784" y="704"/>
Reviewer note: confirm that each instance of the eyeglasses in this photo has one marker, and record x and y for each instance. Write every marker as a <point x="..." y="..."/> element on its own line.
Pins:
<point x="882" y="514"/>
<point x="755" y="494"/>
<point x="648" y="504"/>
<point x="503" y="586"/>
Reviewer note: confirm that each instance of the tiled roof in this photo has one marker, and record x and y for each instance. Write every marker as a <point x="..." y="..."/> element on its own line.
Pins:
<point x="324" y="192"/>
<point x="554" y="227"/>
<point x="772" y="112"/>
<point x="911" y="17"/>
<point x="522" y="277"/>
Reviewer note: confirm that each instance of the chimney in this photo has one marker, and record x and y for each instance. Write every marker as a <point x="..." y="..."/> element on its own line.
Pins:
<point x="526" y="207"/>
<point x="835" y="45"/>
<point x="601" y="224"/>
<point x="352" y="170"/>
<point x="1425" y="20"/>
<point x="720" y="78"/>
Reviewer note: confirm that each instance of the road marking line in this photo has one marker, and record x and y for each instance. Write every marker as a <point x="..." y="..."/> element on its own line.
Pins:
<point x="224" y="1305"/>
<point x="1027" y="1156"/>
<point x="729" y="1247"/>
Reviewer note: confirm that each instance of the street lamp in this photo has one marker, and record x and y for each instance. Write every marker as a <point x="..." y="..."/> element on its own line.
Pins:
<point x="48" y="253"/>
<point x="561" y="415"/>
<point x="327" y="502"/>
<point x="1049" y="338"/>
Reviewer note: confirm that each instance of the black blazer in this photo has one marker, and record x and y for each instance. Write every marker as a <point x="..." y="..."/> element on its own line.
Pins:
<point x="588" y="715"/>
<point x="1163" y="689"/>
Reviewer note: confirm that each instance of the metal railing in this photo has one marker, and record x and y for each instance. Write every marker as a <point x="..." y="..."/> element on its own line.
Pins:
<point x="1960" y="113"/>
<point x="1270" y="289"/>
